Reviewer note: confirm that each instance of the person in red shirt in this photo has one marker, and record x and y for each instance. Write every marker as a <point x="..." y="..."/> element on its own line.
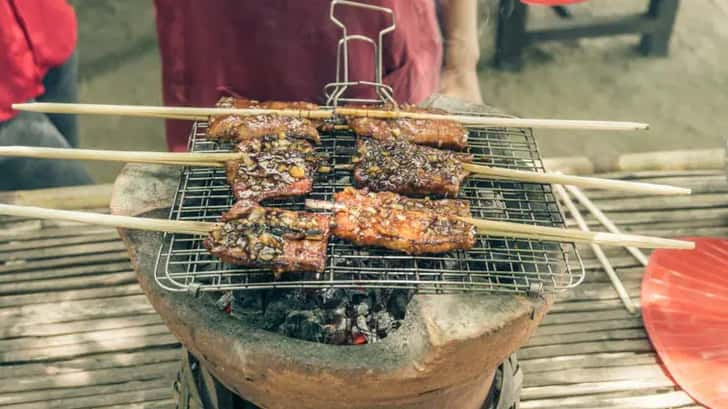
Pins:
<point x="286" y="50"/>
<point x="37" y="43"/>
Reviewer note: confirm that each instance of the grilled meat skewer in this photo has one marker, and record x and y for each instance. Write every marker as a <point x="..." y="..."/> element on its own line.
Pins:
<point x="402" y="167"/>
<point x="399" y="166"/>
<point x="288" y="241"/>
<point x="267" y="167"/>
<point x="282" y="240"/>
<point x="421" y="226"/>
<point x="413" y="226"/>
<point x="242" y="128"/>
<point x="439" y="133"/>
<point x="272" y="167"/>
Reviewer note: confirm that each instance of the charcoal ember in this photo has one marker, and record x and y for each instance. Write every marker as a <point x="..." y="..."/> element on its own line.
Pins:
<point x="332" y="297"/>
<point x="362" y="309"/>
<point x="305" y="325"/>
<point x="397" y="304"/>
<point x="225" y="301"/>
<point x="344" y="180"/>
<point x="361" y="324"/>
<point x="254" y="300"/>
<point x="338" y="332"/>
<point x="275" y="314"/>
<point x="328" y="315"/>
<point x="383" y="322"/>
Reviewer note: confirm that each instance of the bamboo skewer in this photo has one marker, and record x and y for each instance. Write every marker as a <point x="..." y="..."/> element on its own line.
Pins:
<point x="127" y="222"/>
<point x="493" y="121"/>
<point x="581" y="181"/>
<point x="604" y="220"/>
<point x="203" y="113"/>
<point x="577" y="236"/>
<point x="165" y="158"/>
<point x="164" y="112"/>
<point x="613" y="277"/>
<point x="219" y="159"/>
<point x="519" y="230"/>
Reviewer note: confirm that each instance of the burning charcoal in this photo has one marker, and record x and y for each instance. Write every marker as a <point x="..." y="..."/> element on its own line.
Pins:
<point x="338" y="333"/>
<point x="344" y="180"/>
<point x="362" y="309"/>
<point x="450" y="262"/>
<point x="251" y="300"/>
<point x="331" y="297"/>
<point x="275" y="314"/>
<point x="361" y="323"/>
<point x="383" y="322"/>
<point x="304" y="325"/>
<point x="398" y="304"/>
<point x="225" y="302"/>
<point x="329" y="315"/>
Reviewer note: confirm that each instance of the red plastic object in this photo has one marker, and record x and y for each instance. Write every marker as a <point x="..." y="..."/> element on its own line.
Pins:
<point x="685" y="312"/>
<point x="551" y="2"/>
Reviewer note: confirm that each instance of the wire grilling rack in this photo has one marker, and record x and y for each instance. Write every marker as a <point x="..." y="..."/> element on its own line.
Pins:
<point x="495" y="264"/>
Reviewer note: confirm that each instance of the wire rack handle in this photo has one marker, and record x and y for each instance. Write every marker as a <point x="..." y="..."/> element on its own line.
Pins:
<point x="334" y="91"/>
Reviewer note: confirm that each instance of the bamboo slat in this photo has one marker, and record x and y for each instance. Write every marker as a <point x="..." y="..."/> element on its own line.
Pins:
<point x="75" y="197"/>
<point x="49" y="398"/>
<point x="81" y="326"/>
<point x="637" y="345"/>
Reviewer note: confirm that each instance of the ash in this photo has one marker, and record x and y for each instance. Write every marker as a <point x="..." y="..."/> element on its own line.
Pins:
<point x="329" y="315"/>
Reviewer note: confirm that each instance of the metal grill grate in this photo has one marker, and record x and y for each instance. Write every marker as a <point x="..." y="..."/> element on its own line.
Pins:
<point x="495" y="264"/>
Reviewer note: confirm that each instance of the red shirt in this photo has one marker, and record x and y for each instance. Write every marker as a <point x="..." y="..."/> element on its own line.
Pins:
<point x="286" y="50"/>
<point x="35" y="35"/>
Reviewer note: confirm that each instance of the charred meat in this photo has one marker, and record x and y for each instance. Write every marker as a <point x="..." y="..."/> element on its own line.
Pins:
<point x="414" y="226"/>
<point x="272" y="167"/>
<point x="243" y="128"/>
<point x="439" y="133"/>
<point x="282" y="240"/>
<point x="399" y="166"/>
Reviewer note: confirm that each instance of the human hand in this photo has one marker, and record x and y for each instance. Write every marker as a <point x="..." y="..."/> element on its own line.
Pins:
<point x="461" y="83"/>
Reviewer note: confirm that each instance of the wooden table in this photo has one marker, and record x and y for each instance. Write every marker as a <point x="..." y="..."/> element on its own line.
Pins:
<point x="654" y="27"/>
<point x="77" y="332"/>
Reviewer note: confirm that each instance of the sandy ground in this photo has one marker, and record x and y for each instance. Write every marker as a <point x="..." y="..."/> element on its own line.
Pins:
<point x="682" y="96"/>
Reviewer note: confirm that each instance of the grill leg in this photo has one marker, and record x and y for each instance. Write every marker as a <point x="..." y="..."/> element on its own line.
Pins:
<point x="196" y="388"/>
<point x="657" y="43"/>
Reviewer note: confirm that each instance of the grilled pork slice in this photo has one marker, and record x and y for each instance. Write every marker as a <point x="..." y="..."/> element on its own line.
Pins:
<point x="272" y="167"/>
<point x="414" y="226"/>
<point x="399" y="166"/>
<point x="438" y="133"/>
<point x="282" y="240"/>
<point x="242" y="128"/>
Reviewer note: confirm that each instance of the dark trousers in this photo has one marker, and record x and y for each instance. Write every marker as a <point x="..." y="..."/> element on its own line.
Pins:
<point x="35" y="129"/>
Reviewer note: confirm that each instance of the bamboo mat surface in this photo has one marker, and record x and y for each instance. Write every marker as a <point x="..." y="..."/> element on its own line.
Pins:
<point x="75" y="329"/>
<point x="589" y="351"/>
<point x="77" y="332"/>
